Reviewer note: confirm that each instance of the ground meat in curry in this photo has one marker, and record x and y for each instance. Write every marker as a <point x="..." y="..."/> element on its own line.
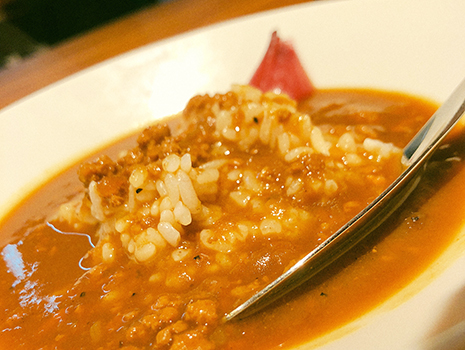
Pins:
<point x="194" y="219"/>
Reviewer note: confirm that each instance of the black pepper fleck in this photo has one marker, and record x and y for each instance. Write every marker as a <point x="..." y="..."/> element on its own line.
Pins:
<point x="138" y="190"/>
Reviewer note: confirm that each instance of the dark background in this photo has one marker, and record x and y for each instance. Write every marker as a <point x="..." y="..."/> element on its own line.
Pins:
<point x="51" y="21"/>
<point x="28" y="25"/>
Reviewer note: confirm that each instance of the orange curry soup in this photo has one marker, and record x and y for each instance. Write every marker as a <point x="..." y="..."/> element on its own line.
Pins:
<point x="150" y="245"/>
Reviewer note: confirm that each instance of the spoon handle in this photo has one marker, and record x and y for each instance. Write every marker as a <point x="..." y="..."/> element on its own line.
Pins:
<point x="437" y="127"/>
<point x="414" y="157"/>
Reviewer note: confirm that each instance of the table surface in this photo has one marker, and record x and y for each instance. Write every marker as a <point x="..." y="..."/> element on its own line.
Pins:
<point x="149" y="25"/>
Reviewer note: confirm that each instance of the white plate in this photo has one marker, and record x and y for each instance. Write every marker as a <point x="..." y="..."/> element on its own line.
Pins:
<point x="412" y="46"/>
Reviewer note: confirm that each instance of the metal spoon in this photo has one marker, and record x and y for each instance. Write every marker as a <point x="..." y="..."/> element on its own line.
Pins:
<point x="415" y="155"/>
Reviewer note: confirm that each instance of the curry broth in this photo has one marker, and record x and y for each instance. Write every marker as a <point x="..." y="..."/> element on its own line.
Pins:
<point x="379" y="267"/>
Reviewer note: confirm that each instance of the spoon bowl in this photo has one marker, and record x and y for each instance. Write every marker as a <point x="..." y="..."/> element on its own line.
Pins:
<point x="415" y="157"/>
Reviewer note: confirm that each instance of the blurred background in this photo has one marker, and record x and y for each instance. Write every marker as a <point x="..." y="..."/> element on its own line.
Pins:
<point x="27" y="26"/>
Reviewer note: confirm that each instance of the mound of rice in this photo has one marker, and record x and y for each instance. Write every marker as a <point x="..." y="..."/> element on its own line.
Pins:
<point x="245" y="166"/>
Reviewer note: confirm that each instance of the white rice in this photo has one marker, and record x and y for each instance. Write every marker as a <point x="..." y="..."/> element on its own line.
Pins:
<point x="180" y="194"/>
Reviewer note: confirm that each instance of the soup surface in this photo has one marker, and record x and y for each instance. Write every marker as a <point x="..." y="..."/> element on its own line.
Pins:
<point x="150" y="245"/>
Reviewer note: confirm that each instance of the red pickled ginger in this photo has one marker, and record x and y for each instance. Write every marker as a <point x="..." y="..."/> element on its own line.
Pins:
<point x="281" y="71"/>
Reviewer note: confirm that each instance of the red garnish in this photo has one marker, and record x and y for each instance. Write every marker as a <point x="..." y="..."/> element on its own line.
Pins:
<point x="281" y="71"/>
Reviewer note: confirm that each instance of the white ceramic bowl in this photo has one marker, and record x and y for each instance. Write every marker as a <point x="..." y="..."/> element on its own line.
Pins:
<point x="416" y="46"/>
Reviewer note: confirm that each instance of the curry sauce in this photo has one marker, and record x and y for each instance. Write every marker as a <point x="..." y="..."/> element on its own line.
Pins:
<point x="75" y="285"/>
